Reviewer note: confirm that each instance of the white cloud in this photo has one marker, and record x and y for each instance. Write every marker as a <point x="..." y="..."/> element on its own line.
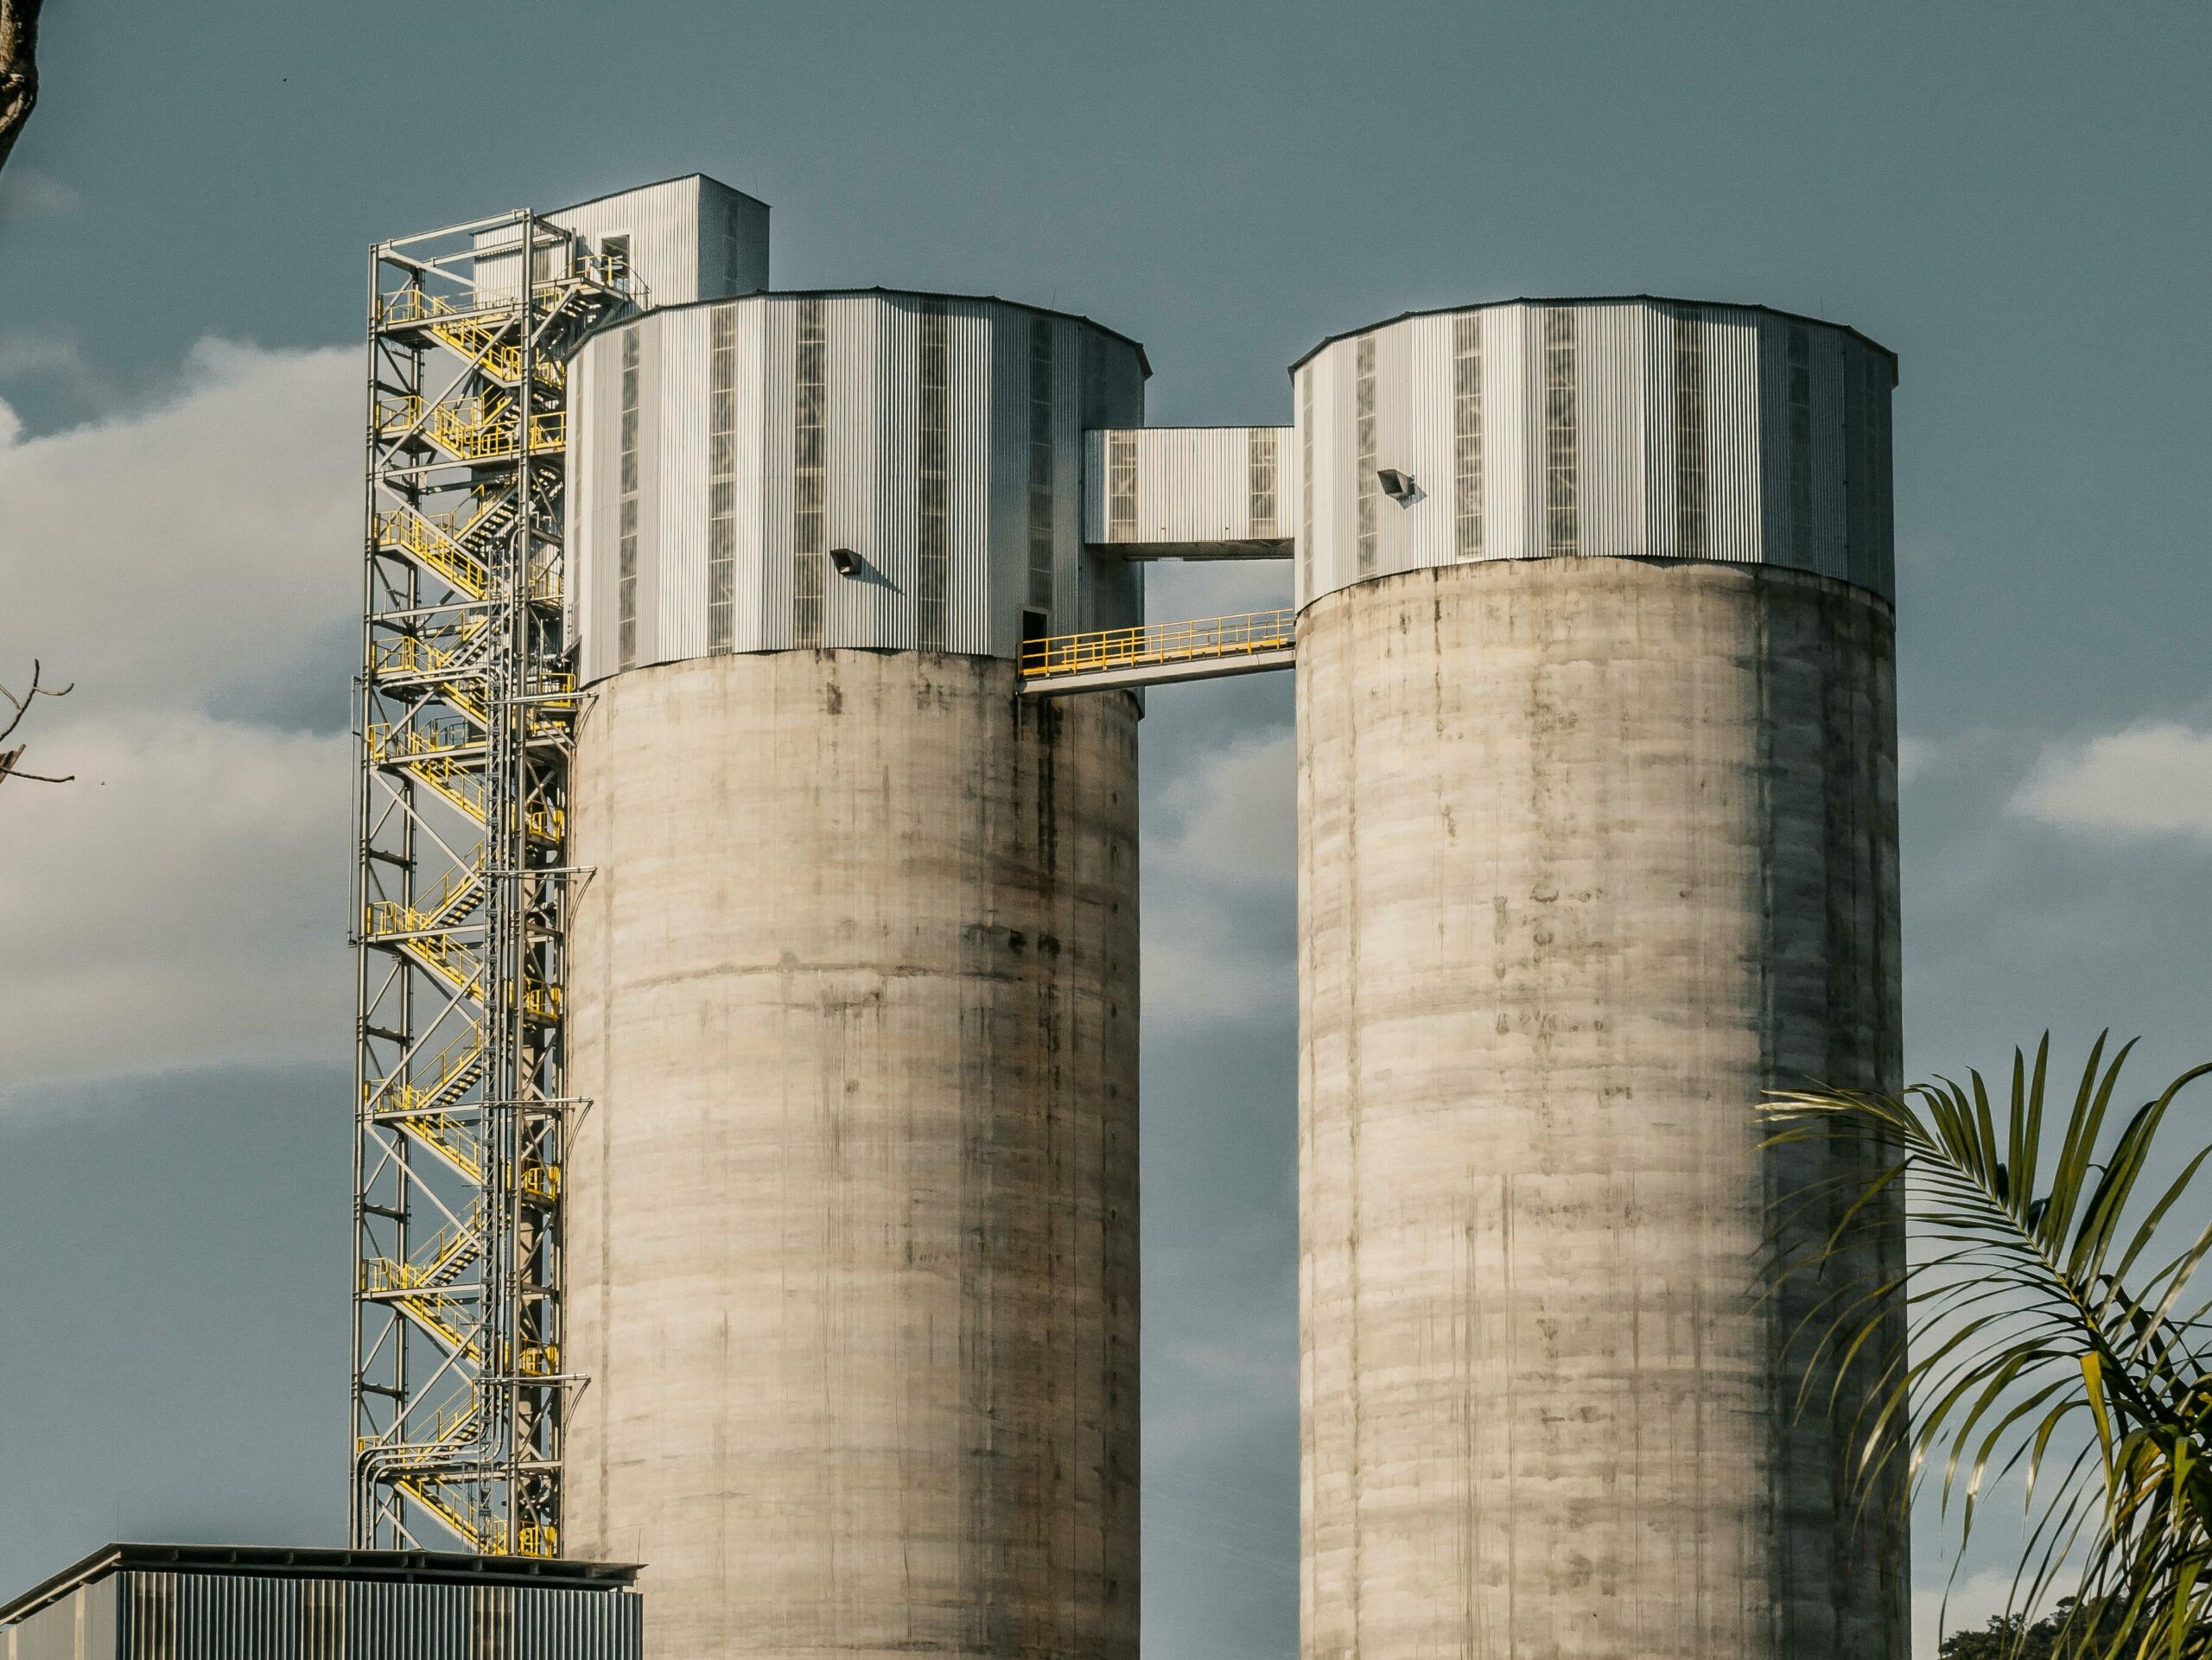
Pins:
<point x="183" y="902"/>
<point x="26" y="191"/>
<point x="2154" y="778"/>
<point x="1916" y="758"/>
<point x="159" y="554"/>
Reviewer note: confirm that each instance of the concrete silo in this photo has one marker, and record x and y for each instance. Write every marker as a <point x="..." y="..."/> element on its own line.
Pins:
<point x="852" y="1253"/>
<point x="1597" y="766"/>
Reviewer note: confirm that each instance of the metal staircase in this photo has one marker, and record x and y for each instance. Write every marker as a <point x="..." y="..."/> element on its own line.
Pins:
<point x="466" y="709"/>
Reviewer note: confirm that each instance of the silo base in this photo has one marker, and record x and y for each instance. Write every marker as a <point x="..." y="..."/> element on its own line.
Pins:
<point x="852" y="1248"/>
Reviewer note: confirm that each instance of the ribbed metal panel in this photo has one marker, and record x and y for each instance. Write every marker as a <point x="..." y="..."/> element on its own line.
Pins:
<point x="972" y="624"/>
<point x="678" y="589"/>
<point x="871" y="360"/>
<point x="1194" y="487"/>
<point x="1735" y="482"/>
<point x="211" y="1616"/>
<point x="1613" y="429"/>
<point x="80" y="1627"/>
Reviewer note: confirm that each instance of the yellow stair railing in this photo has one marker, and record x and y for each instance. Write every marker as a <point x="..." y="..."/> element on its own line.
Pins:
<point x="449" y="1249"/>
<point x="473" y="429"/>
<point x="433" y="540"/>
<point x="447" y="1428"/>
<point x="452" y="1070"/>
<point x="478" y="1538"/>
<point x="444" y="905"/>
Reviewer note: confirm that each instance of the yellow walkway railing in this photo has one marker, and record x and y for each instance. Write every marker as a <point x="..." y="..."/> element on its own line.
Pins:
<point x="1158" y="644"/>
<point x="473" y="429"/>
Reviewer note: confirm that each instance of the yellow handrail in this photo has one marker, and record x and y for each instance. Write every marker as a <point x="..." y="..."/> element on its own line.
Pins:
<point x="434" y="540"/>
<point x="473" y="429"/>
<point x="437" y="907"/>
<point x="1159" y="643"/>
<point x="421" y="1492"/>
<point x="449" y="1250"/>
<point x="417" y="304"/>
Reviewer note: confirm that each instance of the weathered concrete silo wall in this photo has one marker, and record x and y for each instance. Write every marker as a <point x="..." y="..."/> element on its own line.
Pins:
<point x="1592" y="853"/>
<point x="1598" y="841"/>
<point x="852" y="1217"/>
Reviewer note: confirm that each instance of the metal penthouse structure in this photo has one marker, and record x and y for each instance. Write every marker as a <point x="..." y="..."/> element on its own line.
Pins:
<point x="465" y="710"/>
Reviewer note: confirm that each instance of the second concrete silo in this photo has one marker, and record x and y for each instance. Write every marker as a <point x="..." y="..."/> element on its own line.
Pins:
<point x="852" y="1216"/>
<point x="1598" y="840"/>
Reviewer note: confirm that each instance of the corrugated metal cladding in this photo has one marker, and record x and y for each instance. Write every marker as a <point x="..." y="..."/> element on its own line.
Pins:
<point x="1157" y="490"/>
<point x="688" y="239"/>
<point x="939" y="439"/>
<point x="1629" y="428"/>
<point x="203" y="1616"/>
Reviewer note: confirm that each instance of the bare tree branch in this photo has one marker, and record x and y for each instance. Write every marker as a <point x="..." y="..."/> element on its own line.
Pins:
<point x="18" y="69"/>
<point x="9" y="757"/>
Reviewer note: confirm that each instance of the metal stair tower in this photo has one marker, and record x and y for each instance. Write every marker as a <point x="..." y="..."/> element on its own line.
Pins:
<point x="465" y="706"/>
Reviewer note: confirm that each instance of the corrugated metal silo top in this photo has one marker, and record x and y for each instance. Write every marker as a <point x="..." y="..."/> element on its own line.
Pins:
<point x="1629" y="426"/>
<point x="1662" y="300"/>
<point x="878" y="291"/>
<point x="863" y="469"/>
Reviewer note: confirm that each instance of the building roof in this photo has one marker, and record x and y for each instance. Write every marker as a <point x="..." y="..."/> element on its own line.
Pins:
<point x="1600" y="300"/>
<point x="639" y="189"/>
<point x="284" y="1561"/>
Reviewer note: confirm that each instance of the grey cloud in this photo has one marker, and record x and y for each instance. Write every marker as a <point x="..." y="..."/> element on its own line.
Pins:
<point x="2152" y="778"/>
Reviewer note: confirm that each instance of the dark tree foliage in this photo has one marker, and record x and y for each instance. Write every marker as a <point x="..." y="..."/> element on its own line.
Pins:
<point x="18" y="68"/>
<point x="2008" y="1637"/>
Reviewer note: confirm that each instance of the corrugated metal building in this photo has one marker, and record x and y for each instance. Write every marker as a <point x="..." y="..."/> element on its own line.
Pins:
<point x="220" y="1602"/>
<point x="1634" y="428"/>
<point x="726" y="453"/>
<point x="684" y="240"/>
<point x="1191" y="493"/>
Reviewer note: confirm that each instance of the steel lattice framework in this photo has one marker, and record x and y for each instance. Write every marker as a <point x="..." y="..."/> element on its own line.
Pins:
<point x="465" y="712"/>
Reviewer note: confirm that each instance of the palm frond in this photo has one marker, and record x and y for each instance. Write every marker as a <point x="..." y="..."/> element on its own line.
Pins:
<point x="2035" y="1324"/>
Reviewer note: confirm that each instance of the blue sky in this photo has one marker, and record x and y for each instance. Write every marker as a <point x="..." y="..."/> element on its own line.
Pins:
<point x="2009" y="195"/>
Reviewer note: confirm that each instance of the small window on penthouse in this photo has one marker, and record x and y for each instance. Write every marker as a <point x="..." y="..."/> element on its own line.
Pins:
<point x="615" y="261"/>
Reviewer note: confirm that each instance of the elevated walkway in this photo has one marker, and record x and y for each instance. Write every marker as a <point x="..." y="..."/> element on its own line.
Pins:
<point x="1203" y="648"/>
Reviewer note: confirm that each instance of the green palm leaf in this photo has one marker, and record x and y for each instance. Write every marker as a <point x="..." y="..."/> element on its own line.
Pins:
<point x="2038" y="1328"/>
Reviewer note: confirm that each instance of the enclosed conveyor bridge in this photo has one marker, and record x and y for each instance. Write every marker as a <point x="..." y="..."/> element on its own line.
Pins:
<point x="1177" y="492"/>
